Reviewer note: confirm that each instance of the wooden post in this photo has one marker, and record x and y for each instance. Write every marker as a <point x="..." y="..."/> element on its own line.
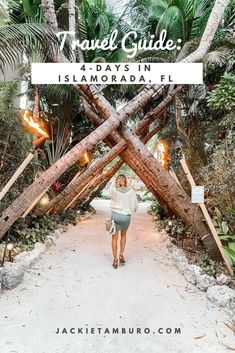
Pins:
<point x="16" y="175"/>
<point x="174" y="176"/>
<point x="207" y="217"/>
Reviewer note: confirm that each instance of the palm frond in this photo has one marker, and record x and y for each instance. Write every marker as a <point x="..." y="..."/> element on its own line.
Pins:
<point x="148" y="12"/>
<point x="15" y="11"/>
<point x="187" y="48"/>
<point x="229" y="18"/>
<point x="102" y="25"/>
<point x="119" y="55"/>
<point x="196" y="92"/>
<point x="60" y="141"/>
<point x="216" y="57"/>
<point x="81" y="25"/>
<point x="199" y="24"/>
<point x="187" y="7"/>
<point x="58" y="93"/>
<point x="152" y="56"/>
<point x="4" y="16"/>
<point x="172" y="20"/>
<point x="26" y="38"/>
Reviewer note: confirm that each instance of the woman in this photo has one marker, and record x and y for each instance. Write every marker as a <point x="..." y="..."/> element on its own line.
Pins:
<point x="123" y="204"/>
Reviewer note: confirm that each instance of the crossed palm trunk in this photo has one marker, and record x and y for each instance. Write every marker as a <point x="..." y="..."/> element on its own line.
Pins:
<point x="75" y="188"/>
<point x="170" y="192"/>
<point x="167" y="187"/>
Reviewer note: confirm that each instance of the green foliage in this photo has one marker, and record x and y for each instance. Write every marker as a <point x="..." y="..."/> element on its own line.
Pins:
<point x="183" y="19"/>
<point x="228" y="239"/>
<point x="207" y="265"/>
<point x="125" y="169"/>
<point x="68" y="217"/>
<point x="157" y="209"/>
<point x="147" y="196"/>
<point x="41" y="43"/>
<point x="32" y="230"/>
<point x="231" y="211"/>
<point x="219" y="174"/>
<point x="32" y="8"/>
<point x="60" y="141"/>
<point x="96" y="22"/>
<point x="223" y="96"/>
<point x="15" y="144"/>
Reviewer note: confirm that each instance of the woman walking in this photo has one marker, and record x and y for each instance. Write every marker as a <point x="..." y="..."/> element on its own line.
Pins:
<point x="123" y="204"/>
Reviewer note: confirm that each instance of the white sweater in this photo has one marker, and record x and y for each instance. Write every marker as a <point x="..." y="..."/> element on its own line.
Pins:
<point x="123" y="202"/>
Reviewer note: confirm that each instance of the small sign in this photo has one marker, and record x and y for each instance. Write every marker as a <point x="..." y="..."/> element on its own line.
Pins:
<point x="197" y="194"/>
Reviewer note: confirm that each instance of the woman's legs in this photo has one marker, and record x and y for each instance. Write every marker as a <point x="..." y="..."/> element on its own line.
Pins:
<point x="114" y="246"/>
<point x="122" y="241"/>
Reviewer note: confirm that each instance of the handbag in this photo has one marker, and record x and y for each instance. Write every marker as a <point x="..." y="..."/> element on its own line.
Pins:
<point x="110" y="226"/>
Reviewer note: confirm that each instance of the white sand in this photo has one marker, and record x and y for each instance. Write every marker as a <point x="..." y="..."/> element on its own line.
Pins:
<point x="74" y="285"/>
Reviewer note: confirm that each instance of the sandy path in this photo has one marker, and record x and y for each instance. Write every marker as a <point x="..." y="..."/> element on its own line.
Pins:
<point x="74" y="285"/>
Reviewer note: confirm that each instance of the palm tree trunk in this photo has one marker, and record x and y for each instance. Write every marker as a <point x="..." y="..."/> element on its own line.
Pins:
<point x="17" y="208"/>
<point x="152" y="133"/>
<point x="173" y="194"/>
<point x="25" y="200"/>
<point x="72" y="25"/>
<point x="49" y="13"/>
<point x="158" y="111"/>
<point x="132" y="159"/>
<point x="95" y="193"/>
<point x="136" y="164"/>
<point x="213" y="22"/>
<point x="100" y="180"/>
<point x="76" y="185"/>
<point x="71" y="12"/>
<point x="74" y="188"/>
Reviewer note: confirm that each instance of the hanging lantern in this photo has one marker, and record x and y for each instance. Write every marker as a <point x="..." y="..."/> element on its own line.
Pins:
<point x="33" y="124"/>
<point x="162" y="154"/>
<point x="85" y="159"/>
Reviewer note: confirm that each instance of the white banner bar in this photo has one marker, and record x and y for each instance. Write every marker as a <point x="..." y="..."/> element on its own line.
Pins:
<point x="120" y="73"/>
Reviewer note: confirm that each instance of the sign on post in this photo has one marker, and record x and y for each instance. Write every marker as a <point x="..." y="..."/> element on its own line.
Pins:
<point x="197" y="194"/>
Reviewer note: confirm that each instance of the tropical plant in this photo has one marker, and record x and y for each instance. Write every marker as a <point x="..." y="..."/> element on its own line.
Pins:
<point x="15" y="144"/>
<point x="228" y="239"/>
<point x="183" y="20"/>
<point x="60" y="141"/>
<point x="156" y="209"/>
<point x="223" y="96"/>
<point x="207" y="265"/>
<point x="33" y="229"/>
<point x="21" y="38"/>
